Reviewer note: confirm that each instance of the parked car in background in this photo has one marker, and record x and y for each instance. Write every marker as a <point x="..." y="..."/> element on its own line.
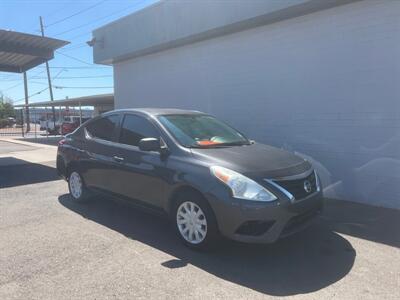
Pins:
<point x="7" y="122"/>
<point x="11" y="121"/>
<point x="51" y="126"/>
<point x="61" y="126"/>
<point x="206" y="176"/>
<point x="71" y="123"/>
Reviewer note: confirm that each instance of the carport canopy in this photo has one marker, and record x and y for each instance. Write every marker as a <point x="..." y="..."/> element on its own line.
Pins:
<point x="93" y="100"/>
<point x="20" y="52"/>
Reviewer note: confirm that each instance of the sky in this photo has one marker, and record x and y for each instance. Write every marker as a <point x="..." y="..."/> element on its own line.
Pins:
<point x="72" y="21"/>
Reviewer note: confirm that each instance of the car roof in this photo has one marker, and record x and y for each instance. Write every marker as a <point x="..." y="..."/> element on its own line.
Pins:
<point x="158" y="111"/>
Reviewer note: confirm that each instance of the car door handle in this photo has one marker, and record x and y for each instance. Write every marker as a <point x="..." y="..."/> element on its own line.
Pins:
<point x="118" y="159"/>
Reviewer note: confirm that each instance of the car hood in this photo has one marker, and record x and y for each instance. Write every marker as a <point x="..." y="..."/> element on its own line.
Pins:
<point x="255" y="160"/>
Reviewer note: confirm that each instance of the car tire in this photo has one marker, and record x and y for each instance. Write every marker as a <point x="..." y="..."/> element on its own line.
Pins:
<point x="76" y="186"/>
<point x="194" y="222"/>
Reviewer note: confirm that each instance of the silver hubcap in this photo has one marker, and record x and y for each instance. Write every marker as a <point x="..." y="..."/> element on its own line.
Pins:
<point x="75" y="184"/>
<point x="191" y="222"/>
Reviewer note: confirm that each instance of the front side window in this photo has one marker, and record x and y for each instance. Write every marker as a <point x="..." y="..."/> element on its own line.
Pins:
<point x="104" y="127"/>
<point x="198" y="131"/>
<point x="134" y="128"/>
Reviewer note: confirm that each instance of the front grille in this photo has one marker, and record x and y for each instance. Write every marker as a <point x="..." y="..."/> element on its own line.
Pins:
<point x="297" y="187"/>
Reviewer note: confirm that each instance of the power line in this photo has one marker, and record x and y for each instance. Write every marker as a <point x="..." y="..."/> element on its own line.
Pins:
<point x="21" y="83"/>
<point x="80" y="35"/>
<point x="64" y="87"/>
<point x="54" y="12"/>
<point x="12" y="87"/>
<point x="66" y="77"/>
<point x="15" y="79"/>
<point x="36" y="82"/>
<point x="90" y="22"/>
<point x="74" y="58"/>
<point x="81" y="77"/>
<point x="98" y="19"/>
<point x="81" y="45"/>
<point x="82" y="87"/>
<point x="80" y="67"/>
<point x="30" y="96"/>
<point x="90" y="31"/>
<point x="77" y="13"/>
<point x="8" y="76"/>
<point x="37" y="93"/>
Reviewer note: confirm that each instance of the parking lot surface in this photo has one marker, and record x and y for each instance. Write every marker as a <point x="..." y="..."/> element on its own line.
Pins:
<point x="7" y="147"/>
<point x="51" y="248"/>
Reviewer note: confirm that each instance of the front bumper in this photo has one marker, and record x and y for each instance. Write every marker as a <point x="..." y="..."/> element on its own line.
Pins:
<point x="259" y="222"/>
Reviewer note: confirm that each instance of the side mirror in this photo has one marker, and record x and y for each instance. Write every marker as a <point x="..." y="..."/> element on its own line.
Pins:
<point x="149" y="144"/>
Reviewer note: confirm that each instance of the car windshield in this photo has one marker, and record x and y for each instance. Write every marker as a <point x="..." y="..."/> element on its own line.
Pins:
<point x="202" y="131"/>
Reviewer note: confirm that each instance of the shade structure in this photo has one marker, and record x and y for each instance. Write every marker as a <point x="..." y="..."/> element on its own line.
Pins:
<point x="20" y="52"/>
<point x="93" y="100"/>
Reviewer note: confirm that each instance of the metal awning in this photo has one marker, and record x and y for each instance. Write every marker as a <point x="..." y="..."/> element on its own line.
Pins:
<point x="94" y="100"/>
<point x="20" y="52"/>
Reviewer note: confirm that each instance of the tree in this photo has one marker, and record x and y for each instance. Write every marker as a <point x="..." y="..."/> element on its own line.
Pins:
<point x="6" y="107"/>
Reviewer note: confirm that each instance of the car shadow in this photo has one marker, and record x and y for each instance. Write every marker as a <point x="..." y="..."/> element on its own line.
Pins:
<point x="16" y="172"/>
<point x="376" y="224"/>
<point x="303" y="263"/>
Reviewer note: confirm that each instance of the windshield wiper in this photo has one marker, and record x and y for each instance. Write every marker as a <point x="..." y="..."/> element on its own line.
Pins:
<point x="219" y="145"/>
<point x="233" y="144"/>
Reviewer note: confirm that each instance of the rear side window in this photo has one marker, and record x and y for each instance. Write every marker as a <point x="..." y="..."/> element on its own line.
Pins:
<point x="134" y="128"/>
<point x="103" y="128"/>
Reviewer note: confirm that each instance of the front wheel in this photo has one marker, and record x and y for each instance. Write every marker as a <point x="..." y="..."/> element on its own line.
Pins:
<point x="195" y="222"/>
<point x="76" y="186"/>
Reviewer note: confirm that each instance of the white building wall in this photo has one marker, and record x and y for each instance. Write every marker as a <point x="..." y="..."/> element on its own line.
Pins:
<point x="326" y="85"/>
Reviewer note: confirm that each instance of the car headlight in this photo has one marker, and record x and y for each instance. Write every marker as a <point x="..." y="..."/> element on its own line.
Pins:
<point x="241" y="186"/>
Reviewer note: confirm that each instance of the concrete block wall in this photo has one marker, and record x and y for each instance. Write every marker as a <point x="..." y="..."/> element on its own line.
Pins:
<point x="325" y="85"/>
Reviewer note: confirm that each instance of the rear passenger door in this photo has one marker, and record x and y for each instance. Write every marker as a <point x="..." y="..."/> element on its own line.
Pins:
<point x="99" y="166"/>
<point x="141" y="173"/>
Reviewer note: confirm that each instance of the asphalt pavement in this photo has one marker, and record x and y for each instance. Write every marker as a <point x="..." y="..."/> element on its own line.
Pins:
<point x="52" y="248"/>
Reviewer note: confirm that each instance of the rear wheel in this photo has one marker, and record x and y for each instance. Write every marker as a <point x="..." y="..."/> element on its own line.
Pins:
<point x="77" y="188"/>
<point x="195" y="222"/>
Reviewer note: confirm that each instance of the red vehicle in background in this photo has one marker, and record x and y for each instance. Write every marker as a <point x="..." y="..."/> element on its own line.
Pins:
<point x="71" y="123"/>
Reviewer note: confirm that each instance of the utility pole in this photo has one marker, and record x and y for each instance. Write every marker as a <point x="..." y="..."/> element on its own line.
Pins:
<point x="49" y="78"/>
<point x="27" y="120"/>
